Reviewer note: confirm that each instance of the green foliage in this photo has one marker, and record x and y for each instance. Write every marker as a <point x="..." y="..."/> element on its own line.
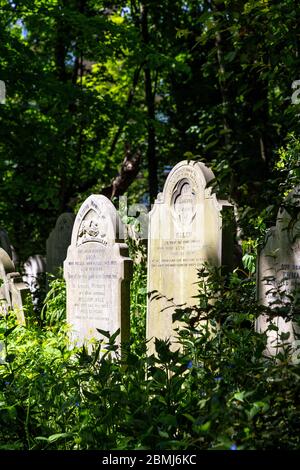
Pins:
<point x="138" y="295"/>
<point x="220" y="73"/>
<point x="54" y="308"/>
<point x="217" y="392"/>
<point x="289" y="163"/>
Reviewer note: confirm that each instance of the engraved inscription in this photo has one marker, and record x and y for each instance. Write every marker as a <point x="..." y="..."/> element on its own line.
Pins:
<point x="91" y="286"/>
<point x="178" y="253"/>
<point x="290" y="276"/>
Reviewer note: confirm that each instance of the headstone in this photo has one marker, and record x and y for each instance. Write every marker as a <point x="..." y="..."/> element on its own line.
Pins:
<point x="97" y="272"/>
<point x="13" y="291"/>
<point x="6" y="266"/>
<point x="278" y="278"/>
<point x="35" y="278"/>
<point x="58" y="242"/>
<point x="5" y="243"/>
<point x="188" y="226"/>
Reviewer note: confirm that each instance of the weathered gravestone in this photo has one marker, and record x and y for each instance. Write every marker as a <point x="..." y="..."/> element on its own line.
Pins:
<point x="97" y="272"/>
<point x="13" y="291"/>
<point x="186" y="228"/>
<point x="6" y="245"/>
<point x="278" y="278"/>
<point x="58" y="242"/>
<point x="35" y="278"/>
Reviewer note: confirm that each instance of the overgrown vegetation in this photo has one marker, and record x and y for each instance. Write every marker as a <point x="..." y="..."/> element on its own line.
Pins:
<point x="89" y="83"/>
<point x="218" y="392"/>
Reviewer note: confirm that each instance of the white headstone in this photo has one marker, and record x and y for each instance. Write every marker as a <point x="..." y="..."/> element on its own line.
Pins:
<point x="186" y="228"/>
<point x="58" y="242"/>
<point x="97" y="272"/>
<point x="278" y="277"/>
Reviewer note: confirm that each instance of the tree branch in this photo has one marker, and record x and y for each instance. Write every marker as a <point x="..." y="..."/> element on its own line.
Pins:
<point x="129" y="101"/>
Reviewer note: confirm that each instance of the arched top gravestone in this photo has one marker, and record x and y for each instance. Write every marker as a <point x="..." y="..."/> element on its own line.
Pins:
<point x="97" y="272"/>
<point x="187" y="227"/>
<point x="278" y="276"/>
<point x="96" y="221"/>
<point x="58" y="242"/>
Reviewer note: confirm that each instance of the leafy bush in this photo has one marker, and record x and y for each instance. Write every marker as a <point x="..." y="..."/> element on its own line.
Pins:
<point x="54" y="308"/>
<point x="217" y="392"/>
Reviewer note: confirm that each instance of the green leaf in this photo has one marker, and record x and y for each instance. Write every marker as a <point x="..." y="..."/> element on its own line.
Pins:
<point x="114" y="336"/>
<point x="56" y="437"/>
<point x="104" y="332"/>
<point x="205" y="427"/>
<point x="168" y="419"/>
<point x="258" y="407"/>
<point x="9" y="331"/>
<point x="163" y="434"/>
<point x="189" y="417"/>
<point x="239" y="396"/>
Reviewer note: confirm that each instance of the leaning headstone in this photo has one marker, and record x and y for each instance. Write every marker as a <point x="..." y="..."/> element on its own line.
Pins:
<point x="278" y="279"/>
<point x="35" y="278"/>
<point x="6" y="245"/>
<point x="5" y="242"/>
<point x="97" y="272"/>
<point x="13" y="291"/>
<point x="58" y="242"/>
<point x="188" y="226"/>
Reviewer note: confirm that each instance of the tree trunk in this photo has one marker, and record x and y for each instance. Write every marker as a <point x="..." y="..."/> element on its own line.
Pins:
<point x="129" y="101"/>
<point x="151" y="151"/>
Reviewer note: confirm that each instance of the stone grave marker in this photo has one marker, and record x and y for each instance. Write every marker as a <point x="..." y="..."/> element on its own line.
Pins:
<point x="5" y="242"/>
<point x="13" y="291"/>
<point x="58" y="242"/>
<point x="186" y="228"/>
<point x="278" y="277"/>
<point x="97" y="272"/>
<point x="6" y="245"/>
